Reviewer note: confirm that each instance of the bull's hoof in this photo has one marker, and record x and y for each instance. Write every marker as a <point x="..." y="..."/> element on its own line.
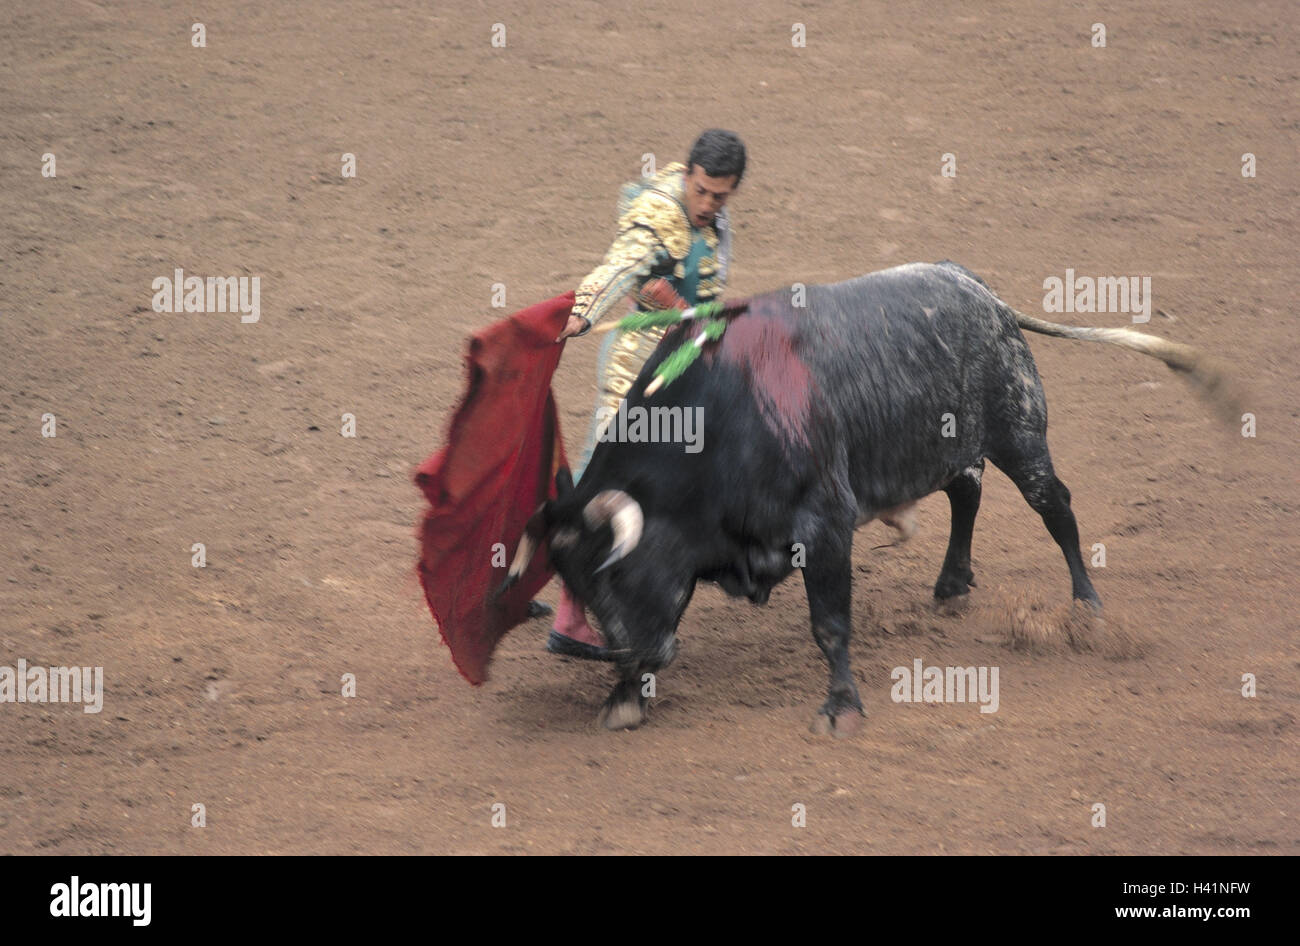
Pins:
<point x="839" y="718"/>
<point x="622" y="715"/>
<point x="838" y="727"/>
<point x="953" y="586"/>
<point x="1092" y="603"/>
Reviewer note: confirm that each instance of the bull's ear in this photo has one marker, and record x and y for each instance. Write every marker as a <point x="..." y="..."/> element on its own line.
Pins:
<point x="563" y="482"/>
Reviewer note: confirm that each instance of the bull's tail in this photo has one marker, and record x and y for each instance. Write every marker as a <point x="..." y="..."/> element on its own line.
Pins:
<point x="1208" y="376"/>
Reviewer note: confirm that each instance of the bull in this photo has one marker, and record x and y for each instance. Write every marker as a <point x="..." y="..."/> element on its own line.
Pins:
<point x="880" y="391"/>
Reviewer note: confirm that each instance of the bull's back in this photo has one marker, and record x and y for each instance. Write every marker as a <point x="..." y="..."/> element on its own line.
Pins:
<point x="911" y="366"/>
<point x="888" y="384"/>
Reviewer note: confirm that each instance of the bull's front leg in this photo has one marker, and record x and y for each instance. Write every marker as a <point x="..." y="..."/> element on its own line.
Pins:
<point x="626" y="706"/>
<point x="637" y="660"/>
<point x="828" y="581"/>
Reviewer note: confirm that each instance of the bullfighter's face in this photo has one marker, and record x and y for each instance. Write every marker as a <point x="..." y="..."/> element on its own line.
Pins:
<point x="705" y="195"/>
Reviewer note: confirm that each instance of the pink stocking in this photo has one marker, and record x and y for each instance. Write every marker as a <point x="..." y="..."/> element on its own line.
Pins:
<point x="571" y="620"/>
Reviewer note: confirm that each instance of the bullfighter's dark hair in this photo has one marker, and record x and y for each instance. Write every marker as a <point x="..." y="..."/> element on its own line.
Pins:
<point x="720" y="153"/>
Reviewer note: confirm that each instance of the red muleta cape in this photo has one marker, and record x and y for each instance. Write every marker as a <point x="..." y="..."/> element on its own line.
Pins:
<point x="503" y="451"/>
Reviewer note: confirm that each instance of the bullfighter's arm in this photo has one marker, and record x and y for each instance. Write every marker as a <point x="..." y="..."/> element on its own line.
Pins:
<point x="653" y="234"/>
<point x="629" y="262"/>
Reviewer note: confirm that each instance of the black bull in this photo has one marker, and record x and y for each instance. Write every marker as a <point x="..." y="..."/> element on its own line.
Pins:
<point x="817" y="419"/>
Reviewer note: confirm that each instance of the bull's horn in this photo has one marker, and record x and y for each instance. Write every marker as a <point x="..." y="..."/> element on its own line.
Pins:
<point x="623" y="513"/>
<point x="528" y="542"/>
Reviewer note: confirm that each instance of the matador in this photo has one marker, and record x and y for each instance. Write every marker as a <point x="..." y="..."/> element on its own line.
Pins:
<point x="672" y="250"/>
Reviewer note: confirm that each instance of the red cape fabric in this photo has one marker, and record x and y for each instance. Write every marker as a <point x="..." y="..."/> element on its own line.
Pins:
<point x="502" y="454"/>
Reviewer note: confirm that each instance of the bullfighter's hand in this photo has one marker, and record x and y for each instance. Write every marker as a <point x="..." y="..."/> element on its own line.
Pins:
<point x="576" y="325"/>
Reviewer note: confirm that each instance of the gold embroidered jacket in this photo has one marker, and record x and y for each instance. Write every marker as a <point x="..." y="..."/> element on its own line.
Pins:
<point x="655" y="238"/>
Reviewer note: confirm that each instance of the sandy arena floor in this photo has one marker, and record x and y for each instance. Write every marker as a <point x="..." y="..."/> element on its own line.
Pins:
<point x="478" y="165"/>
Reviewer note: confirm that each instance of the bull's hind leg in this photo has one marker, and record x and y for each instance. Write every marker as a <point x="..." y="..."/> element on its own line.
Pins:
<point x="1048" y="496"/>
<point x="956" y="577"/>
<point x="828" y="581"/>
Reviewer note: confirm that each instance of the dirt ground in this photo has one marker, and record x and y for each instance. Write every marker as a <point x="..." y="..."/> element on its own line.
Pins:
<point x="479" y="165"/>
